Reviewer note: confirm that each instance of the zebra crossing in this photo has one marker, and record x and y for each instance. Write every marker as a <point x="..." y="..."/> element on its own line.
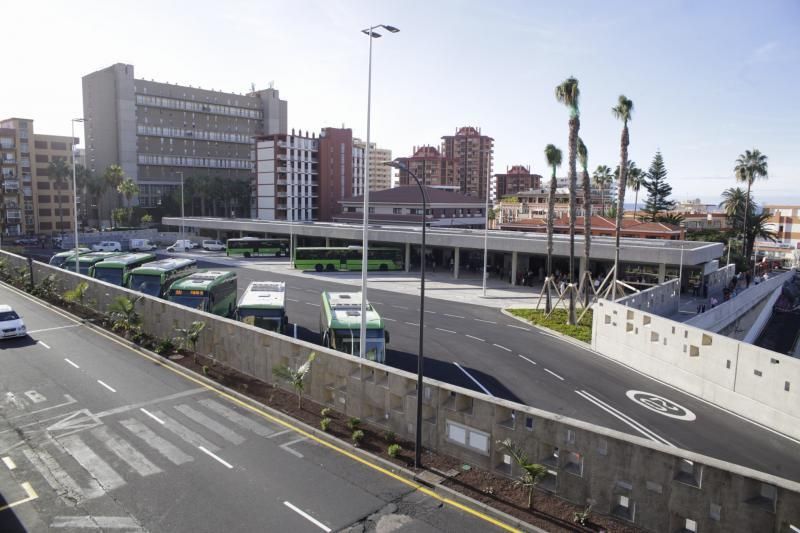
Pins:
<point x="87" y="464"/>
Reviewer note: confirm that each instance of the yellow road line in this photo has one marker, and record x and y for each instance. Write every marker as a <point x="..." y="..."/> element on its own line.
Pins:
<point x="323" y="442"/>
<point x="31" y="496"/>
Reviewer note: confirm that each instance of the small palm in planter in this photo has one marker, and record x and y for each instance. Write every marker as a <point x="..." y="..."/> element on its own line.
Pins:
<point x="123" y="315"/>
<point x="532" y="473"/>
<point x="295" y="377"/>
<point x="187" y="337"/>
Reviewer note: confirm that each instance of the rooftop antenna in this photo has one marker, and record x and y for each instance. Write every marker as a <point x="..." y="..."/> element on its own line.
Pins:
<point x="252" y="87"/>
<point x="271" y="84"/>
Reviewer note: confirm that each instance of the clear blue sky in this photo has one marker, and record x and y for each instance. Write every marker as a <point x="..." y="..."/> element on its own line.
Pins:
<point x="709" y="79"/>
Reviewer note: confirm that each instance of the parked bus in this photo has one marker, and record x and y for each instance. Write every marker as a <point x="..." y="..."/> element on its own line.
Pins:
<point x="58" y="259"/>
<point x="87" y="261"/>
<point x="154" y="278"/>
<point x="340" y="326"/>
<point x="253" y="246"/>
<point x="263" y="304"/>
<point x="346" y="258"/>
<point x="213" y="291"/>
<point x="117" y="270"/>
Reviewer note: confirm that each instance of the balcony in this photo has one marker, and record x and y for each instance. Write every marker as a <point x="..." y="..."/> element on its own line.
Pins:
<point x="13" y="216"/>
<point x="11" y="186"/>
<point x="8" y="161"/>
<point x="8" y="146"/>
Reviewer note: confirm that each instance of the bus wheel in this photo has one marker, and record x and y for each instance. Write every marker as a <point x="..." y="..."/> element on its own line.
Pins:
<point x="384" y="268"/>
<point x="247" y="254"/>
<point x="318" y="268"/>
<point x="330" y="268"/>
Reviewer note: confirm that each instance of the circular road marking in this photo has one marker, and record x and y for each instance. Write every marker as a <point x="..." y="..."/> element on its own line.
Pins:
<point x="660" y="405"/>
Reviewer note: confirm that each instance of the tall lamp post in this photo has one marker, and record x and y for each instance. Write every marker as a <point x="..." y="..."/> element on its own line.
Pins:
<point x="420" y="357"/>
<point x="486" y="226"/>
<point x="75" y="191"/>
<point x="372" y="34"/>
<point x="182" y="222"/>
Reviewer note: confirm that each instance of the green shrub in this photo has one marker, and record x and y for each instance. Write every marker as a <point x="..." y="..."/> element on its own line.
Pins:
<point x="393" y="450"/>
<point x="165" y="347"/>
<point x="357" y="436"/>
<point x="557" y="321"/>
<point x="390" y="436"/>
<point x="326" y="412"/>
<point x="353" y="423"/>
<point x="324" y="423"/>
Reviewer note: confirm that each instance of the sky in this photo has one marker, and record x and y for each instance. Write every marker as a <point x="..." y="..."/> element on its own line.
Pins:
<point x="709" y="79"/>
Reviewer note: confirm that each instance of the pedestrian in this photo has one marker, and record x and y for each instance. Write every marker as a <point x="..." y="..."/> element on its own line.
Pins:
<point x="433" y="265"/>
<point x="703" y="309"/>
<point x="698" y="309"/>
<point x="714" y="302"/>
<point x="748" y="278"/>
<point x="451" y="264"/>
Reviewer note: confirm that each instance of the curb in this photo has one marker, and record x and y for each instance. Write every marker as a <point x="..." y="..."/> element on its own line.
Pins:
<point x="446" y="492"/>
<point x="562" y="336"/>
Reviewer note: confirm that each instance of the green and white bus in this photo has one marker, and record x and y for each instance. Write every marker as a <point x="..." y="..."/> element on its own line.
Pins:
<point x="263" y="305"/>
<point x="87" y="261"/>
<point x="212" y="291"/>
<point x="340" y="326"/>
<point x="116" y="270"/>
<point x="330" y="259"/>
<point x="58" y="259"/>
<point x="155" y="278"/>
<point x="253" y="246"/>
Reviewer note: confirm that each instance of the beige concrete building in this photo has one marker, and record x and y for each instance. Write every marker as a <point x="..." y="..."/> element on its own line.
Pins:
<point x="30" y="195"/>
<point x="380" y="175"/>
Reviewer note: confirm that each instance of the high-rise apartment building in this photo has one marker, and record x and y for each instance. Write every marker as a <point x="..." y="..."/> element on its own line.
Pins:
<point x="516" y="179"/>
<point x="158" y="132"/>
<point x="464" y="163"/>
<point x="34" y="202"/>
<point x="380" y="175"/>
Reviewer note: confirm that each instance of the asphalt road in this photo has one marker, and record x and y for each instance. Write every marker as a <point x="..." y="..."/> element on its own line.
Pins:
<point x="95" y="436"/>
<point x="501" y="357"/>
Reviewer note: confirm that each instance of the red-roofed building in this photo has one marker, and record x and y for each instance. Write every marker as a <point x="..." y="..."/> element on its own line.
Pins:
<point x="427" y="164"/>
<point x="601" y="226"/>
<point x="516" y="179"/>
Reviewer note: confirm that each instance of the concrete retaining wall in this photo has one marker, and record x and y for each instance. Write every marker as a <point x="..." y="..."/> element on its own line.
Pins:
<point x="720" y="279"/>
<point x="763" y="317"/>
<point x="661" y="300"/>
<point x="654" y="486"/>
<point x="716" y="319"/>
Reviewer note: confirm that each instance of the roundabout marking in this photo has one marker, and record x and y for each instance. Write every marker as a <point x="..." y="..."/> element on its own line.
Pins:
<point x="659" y="404"/>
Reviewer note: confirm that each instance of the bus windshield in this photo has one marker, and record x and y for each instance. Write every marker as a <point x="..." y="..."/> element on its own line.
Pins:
<point x="270" y="319"/>
<point x="347" y="340"/>
<point x="195" y="302"/>
<point x="146" y="283"/>
<point x="109" y="275"/>
<point x="83" y="268"/>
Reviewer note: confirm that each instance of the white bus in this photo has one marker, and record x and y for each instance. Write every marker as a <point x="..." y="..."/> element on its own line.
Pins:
<point x="263" y="305"/>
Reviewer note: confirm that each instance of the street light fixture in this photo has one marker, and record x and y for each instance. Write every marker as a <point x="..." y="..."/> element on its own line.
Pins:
<point x="182" y="221"/>
<point x="372" y="34"/>
<point x="75" y="191"/>
<point x="486" y="225"/>
<point x="420" y="357"/>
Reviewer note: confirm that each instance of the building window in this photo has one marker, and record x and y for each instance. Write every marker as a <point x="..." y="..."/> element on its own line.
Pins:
<point x="44" y="198"/>
<point x="58" y="146"/>
<point x="44" y="212"/>
<point x="41" y="145"/>
<point x="43" y="185"/>
<point x="41" y="158"/>
<point x="45" y="226"/>
<point x="397" y="210"/>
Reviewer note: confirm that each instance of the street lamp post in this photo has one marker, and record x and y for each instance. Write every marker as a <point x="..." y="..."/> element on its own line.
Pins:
<point x="486" y="226"/>
<point x="372" y="34"/>
<point x="420" y="357"/>
<point x="182" y="222"/>
<point x="75" y="191"/>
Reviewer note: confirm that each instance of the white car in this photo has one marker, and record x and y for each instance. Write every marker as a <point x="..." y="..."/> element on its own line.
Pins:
<point x="213" y="245"/>
<point x="181" y="245"/>
<point x="107" y="246"/>
<point x="11" y="325"/>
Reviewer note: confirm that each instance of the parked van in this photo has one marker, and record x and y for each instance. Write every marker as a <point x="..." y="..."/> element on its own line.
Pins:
<point x="181" y="245"/>
<point x="142" y="245"/>
<point x="107" y="246"/>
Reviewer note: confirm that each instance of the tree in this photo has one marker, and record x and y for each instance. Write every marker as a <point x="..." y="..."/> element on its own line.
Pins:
<point x="92" y="189"/>
<point x="146" y="219"/>
<point x="113" y="177"/>
<point x="128" y="189"/>
<point x="622" y="111"/>
<point x="118" y="216"/>
<point x="583" y="156"/>
<point x="295" y="377"/>
<point x="750" y="166"/>
<point x="553" y="156"/>
<point x="635" y="181"/>
<point x="187" y="337"/>
<point x="59" y="171"/>
<point x="759" y="227"/>
<point x="123" y="315"/>
<point x="658" y="190"/>
<point x="734" y="202"/>
<point x="568" y="94"/>
<point x="532" y="473"/>
<point x="602" y="178"/>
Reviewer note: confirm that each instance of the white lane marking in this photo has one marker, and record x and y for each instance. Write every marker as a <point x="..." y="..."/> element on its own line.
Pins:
<point x="308" y="517"/>
<point x="31" y="495"/>
<point x="528" y="360"/>
<point x="131" y="407"/>
<point x="553" y="374"/>
<point x="517" y="327"/>
<point x="70" y="362"/>
<point x="35" y="397"/>
<point x="9" y="463"/>
<point x="209" y="423"/>
<point x="236" y="418"/>
<point x="430" y="312"/>
<point x="43" y="344"/>
<point x="99" y="469"/>
<point x="478" y="383"/>
<point x="292" y="300"/>
<point x="106" y="386"/>
<point x="286" y="447"/>
<point x="59" y="480"/>
<point x="389" y="319"/>
<point x="310" y="303"/>
<point x="296" y="288"/>
<point x="502" y="347"/>
<point x="453" y="316"/>
<point x="123" y="449"/>
<point x="185" y="433"/>
<point x="446" y="330"/>
<point x="411" y="324"/>
<point x="476" y="338"/>
<point x="151" y="415"/>
<point x="376" y="303"/>
<point x="159" y="444"/>
<point x="624" y="418"/>
<point x="218" y="458"/>
<point x="70" y="401"/>
<point x="104" y="523"/>
<point x="400" y="307"/>
<point x="486" y="321"/>
<point x="53" y="329"/>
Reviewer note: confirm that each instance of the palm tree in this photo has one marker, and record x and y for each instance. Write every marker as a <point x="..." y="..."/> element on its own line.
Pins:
<point x="602" y="178"/>
<point x="568" y="94"/>
<point x="583" y="156"/>
<point x="622" y="111"/>
<point x="113" y="176"/>
<point x="553" y="156"/>
<point x="636" y="177"/>
<point x="734" y="200"/>
<point x="128" y="189"/>
<point x="750" y="166"/>
<point x="59" y="171"/>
